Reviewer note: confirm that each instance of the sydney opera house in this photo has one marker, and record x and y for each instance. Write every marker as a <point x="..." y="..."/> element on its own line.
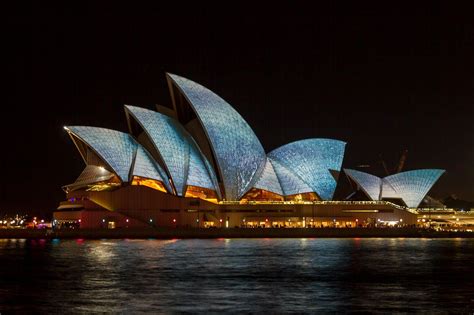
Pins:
<point x="200" y="164"/>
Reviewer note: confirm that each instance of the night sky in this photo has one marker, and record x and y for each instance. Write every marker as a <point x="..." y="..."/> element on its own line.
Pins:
<point x="382" y="78"/>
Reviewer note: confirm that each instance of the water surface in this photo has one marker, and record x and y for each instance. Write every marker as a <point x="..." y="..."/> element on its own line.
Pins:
<point x="237" y="275"/>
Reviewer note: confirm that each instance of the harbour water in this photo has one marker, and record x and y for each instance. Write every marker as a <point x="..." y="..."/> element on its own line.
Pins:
<point x="237" y="275"/>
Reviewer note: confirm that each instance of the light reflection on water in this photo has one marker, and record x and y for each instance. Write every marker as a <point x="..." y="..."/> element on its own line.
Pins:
<point x="237" y="275"/>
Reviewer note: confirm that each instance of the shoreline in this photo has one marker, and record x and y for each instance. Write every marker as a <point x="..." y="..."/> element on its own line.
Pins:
<point x="199" y="233"/>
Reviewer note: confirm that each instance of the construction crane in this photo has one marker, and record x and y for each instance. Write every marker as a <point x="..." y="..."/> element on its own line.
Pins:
<point x="384" y="165"/>
<point x="401" y="163"/>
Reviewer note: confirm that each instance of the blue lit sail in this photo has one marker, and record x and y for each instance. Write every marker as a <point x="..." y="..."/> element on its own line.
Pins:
<point x="311" y="160"/>
<point x="180" y="155"/>
<point x="412" y="186"/>
<point x="115" y="148"/>
<point x="290" y="183"/>
<point x="370" y="184"/>
<point x="239" y="155"/>
<point x="200" y="173"/>
<point x="144" y="166"/>
<point x="268" y="180"/>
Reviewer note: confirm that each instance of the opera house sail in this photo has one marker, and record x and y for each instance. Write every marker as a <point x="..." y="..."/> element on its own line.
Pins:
<point x="411" y="186"/>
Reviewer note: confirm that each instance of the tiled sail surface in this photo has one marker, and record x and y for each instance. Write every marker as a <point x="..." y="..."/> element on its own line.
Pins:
<point x="210" y="171"/>
<point x="169" y="139"/>
<point x="311" y="160"/>
<point x="412" y="186"/>
<point x="238" y="152"/>
<point x="177" y="149"/>
<point x="370" y="184"/>
<point x="198" y="171"/>
<point x="116" y="148"/>
<point x="145" y="166"/>
<point x="269" y="180"/>
<point x="290" y="183"/>
<point x="388" y="191"/>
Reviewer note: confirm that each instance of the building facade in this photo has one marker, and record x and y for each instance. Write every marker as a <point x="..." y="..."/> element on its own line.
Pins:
<point x="201" y="165"/>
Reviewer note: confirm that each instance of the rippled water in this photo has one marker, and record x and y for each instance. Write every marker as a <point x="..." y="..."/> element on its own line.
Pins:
<point x="238" y="275"/>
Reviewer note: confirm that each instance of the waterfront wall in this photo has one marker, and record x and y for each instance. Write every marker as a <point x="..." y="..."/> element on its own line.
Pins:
<point x="170" y="233"/>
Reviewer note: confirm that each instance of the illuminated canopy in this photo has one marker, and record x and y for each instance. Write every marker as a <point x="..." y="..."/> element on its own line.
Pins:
<point x="410" y="186"/>
<point x="290" y="183"/>
<point x="200" y="172"/>
<point x="177" y="149"/>
<point x="115" y="148"/>
<point x="269" y="180"/>
<point x="239" y="155"/>
<point x="144" y="166"/>
<point x="311" y="160"/>
<point x="370" y="184"/>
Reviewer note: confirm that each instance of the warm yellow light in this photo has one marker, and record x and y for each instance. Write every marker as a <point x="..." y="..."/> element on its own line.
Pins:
<point x="201" y="193"/>
<point x="154" y="184"/>
<point x="66" y="128"/>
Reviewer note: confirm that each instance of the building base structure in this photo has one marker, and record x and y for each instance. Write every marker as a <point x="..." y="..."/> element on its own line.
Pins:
<point x="140" y="206"/>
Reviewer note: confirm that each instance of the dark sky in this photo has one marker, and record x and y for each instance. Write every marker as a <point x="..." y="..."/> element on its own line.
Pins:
<point x="383" y="78"/>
